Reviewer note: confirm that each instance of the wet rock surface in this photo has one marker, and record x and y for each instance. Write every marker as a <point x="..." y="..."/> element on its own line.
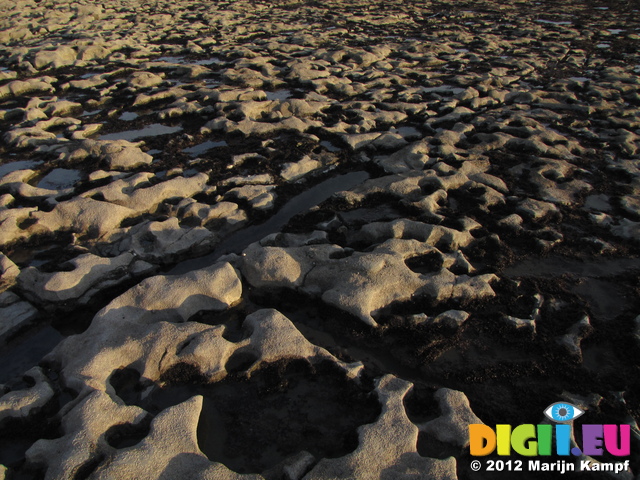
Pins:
<point x="312" y="240"/>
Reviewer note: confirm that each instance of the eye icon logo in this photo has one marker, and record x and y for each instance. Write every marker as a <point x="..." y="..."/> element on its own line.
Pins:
<point x="562" y="412"/>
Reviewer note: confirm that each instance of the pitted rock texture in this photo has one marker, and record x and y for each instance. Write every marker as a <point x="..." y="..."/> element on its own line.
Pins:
<point x="311" y="240"/>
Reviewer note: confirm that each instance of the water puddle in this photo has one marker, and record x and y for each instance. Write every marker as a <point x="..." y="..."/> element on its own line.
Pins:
<point x="90" y="113"/>
<point x="554" y="266"/>
<point x="596" y="281"/>
<point x="298" y="204"/>
<point x="552" y="22"/>
<point x="26" y="351"/>
<point x="279" y="95"/>
<point x="184" y="61"/>
<point x="19" y="165"/>
<point x="152" y="130"/>
<point x="409" y="133"/>
<point x="209" y="61"/>
<point x="59" y="179"/>
<point x="603" y="45"/>
<point x="615" y="31"/>
<point x="329" y="146"/>
<point x="128" y="116"/>
<point x="444" y="89"/>
<point x="203" y="147"/>
<point x="169" y="59"/>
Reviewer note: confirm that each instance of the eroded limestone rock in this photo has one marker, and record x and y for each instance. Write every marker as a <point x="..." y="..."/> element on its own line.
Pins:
<point x="361" y="283"/>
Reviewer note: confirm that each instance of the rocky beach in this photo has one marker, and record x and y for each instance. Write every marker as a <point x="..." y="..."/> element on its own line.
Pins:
<point x="314" y="240"/>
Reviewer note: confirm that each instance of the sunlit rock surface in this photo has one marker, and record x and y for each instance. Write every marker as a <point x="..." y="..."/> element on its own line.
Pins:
<point x="246" y="240"/>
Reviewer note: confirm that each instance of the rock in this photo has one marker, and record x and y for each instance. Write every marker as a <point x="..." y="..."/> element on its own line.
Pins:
<point x="360" y="140"/>
<point x="167" y="242"/>
<point x="573" y="338"/>
<point x="414" y="156"/>
<point x="246" y="77"/>
<point x="376" y="232"/>
<point x="389" y="141"/>
<point x="84" y="440"/>
<point x="29" y="137"/>
<point x="536" y="209"/>
<point x="250" y="128"/>
<point x="138" y="327"/>
<point x="490" y="181"/>
<point x="296" y="467"/>
<point x="89" y="274"/>
<point x="93" y="53"/>
<point x="8" y="75"/>
<point x="295" y="171"/>
<point x="466" y="132"/>
<point x="12" y="223"/>
<point x="450" y="318"/>
<point x="260" y="197"/>
<point x="529" y="323"/>
<point x="177" y="298"/>
<point x="362" y="283"/>
<point x="263" y="179"/>
<point x="117" y="154"/>
<point x="274" y="337"/>
<point x="135" y="193"/>
<point x="138" y="80"/>
<point x="553" y="182"/>
<point x="631" y="204"/>
<point x="170" y="450"/>
<point x="5" y="201"/>
<point x="94" y="11"/>
<point x="88" y="83"/>
<point x="15" y="314"/>
<point x="512" y="222"/>
<point x="23" y="87"/>
<point x="452" y="426"/>
<point x="305" y="71"/>
<point x="12" y="167"/>
<point x="521" y="323"/>
<point x="24" y="190"/>
<point x="9" y="272"/>
<point x="21" y="404"/>
<point x="60" y="57"/>
<point x="82" y="215"/>
<point x="387" y="446"/>
<point x="86" y="131"/>
<point x="222" y="217"/>
<point x="62" y="108"/>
